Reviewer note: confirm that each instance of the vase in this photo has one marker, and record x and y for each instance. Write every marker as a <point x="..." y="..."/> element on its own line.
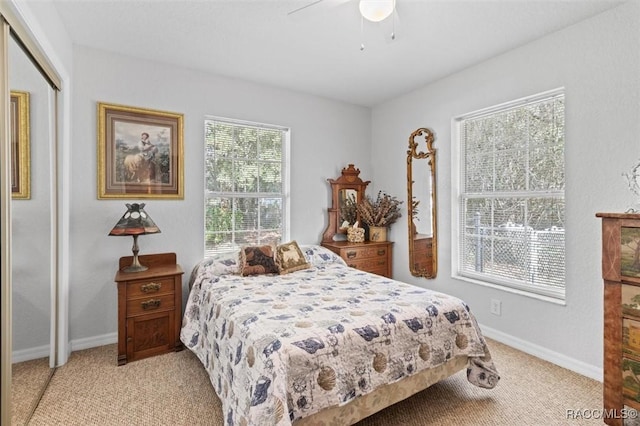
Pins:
<point x="377" y="233"/>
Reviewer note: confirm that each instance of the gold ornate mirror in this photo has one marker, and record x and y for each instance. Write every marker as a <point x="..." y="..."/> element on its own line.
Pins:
<point x="347" y="186"/>
<point x="421" y="191"/>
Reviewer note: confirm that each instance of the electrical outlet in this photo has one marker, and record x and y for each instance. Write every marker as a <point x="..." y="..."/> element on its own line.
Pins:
<point x="496" y="307"/>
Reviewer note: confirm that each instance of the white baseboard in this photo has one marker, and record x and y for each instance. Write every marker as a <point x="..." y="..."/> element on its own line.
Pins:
<point x="92" y="342"/>
<point x="76" y="345"/>
<point x="561" y="360"/>
<point x="29" y="354"/>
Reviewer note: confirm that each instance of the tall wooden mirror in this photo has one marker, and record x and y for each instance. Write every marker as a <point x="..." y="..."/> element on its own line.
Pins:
<point x="346" y="186"/>
<point x="421" y="192"/>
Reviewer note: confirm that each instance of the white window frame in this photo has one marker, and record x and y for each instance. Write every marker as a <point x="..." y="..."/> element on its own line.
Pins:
<point x="554" y="295"/>
<point x="286" y="177"/>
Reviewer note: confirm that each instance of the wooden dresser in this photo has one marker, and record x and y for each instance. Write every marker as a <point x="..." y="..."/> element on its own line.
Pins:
<point x="149" y="307"/>
<point x="423" y="254"/>
<point x="369" y="256"/>
<point x="621" y="274"/>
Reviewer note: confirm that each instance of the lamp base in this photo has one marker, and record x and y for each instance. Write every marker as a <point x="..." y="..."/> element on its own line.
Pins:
<point x="135" y="268"/>
<point x="135" y="265"/>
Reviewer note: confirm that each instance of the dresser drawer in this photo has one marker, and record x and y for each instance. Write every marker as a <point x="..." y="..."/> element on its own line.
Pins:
<point x="630" y="294"/>
<point x="357" y="253"/>
<point x="149" y="304"/>
<point x="151" y="287"/>
<point x="422" y="246"/>
<point x="369" y="264"/>
<point x="374" y="257"/>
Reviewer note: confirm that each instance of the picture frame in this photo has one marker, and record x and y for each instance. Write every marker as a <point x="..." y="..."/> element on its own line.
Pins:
<point x="134" y="166"/>
<point x="20" y="145"/>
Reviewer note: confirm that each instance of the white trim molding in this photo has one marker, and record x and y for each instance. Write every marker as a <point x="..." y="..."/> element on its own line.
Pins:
<point x="580" y="367"/>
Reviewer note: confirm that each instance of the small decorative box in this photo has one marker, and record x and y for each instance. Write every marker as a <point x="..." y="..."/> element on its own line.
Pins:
<point x="355" y="235"/>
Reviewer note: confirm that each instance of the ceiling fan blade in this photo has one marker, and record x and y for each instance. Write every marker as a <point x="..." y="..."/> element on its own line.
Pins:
<point x="304" y="7"/>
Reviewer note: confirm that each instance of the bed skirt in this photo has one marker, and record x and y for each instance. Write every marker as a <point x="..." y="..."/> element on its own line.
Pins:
<point x="384" y="396"/>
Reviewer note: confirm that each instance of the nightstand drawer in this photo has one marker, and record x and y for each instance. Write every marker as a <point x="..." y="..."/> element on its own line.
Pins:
<point x="149" y="304"/>
<point x="150" y="288"/>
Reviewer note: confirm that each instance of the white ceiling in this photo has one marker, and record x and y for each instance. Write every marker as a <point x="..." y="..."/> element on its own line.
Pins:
<point x="317" y="50"/>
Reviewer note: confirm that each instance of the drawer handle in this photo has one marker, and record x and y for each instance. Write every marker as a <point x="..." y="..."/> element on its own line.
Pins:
<point x="351" y="254"/>
<point x="151" y="304"/>
<point x="151" y="287"/>
<point x="381" y="252"/>
<point x="352" y="266"/>
<point x="382" y="262"/>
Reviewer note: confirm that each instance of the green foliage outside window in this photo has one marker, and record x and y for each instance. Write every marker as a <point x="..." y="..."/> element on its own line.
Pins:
<point x="243" y="185"/>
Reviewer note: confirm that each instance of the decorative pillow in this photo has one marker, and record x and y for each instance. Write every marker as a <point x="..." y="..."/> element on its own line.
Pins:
<point x="317" y="255"/>
<point x="289" y="258"/>
<point x="257" y="260"/>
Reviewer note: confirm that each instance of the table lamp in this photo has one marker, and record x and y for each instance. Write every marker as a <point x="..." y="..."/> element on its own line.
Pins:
<point x="135" y="222"/>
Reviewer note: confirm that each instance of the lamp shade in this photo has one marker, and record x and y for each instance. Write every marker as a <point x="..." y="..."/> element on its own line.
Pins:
<point x="135" y="221"/>
<point x="376" y="10"/>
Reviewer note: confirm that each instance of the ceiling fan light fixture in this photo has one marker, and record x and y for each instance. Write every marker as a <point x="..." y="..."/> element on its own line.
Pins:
<point x="377" y="10"/>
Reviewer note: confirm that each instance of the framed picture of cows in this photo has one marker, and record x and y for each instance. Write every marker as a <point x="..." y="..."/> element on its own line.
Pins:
<point x="140" y="153"/>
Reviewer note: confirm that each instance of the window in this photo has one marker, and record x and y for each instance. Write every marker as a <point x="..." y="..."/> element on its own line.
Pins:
<point x="510" y="203"/>
<point x="246" y="185"/>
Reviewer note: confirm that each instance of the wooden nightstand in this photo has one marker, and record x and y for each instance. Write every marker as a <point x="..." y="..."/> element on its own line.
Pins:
<point x="149" y="307"/>
<point x="369" y="256"/>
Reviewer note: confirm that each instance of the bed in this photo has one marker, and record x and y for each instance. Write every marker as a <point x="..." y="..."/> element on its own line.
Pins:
<point x="325" y="343"/>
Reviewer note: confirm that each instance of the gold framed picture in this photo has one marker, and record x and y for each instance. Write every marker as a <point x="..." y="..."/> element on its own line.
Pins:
<point x="140" y="153"/>
<point x="20" y="146"/>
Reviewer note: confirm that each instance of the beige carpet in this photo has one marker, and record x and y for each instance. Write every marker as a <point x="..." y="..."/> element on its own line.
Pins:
<point x="174" y="389"/>
<point x="28" y="380"/>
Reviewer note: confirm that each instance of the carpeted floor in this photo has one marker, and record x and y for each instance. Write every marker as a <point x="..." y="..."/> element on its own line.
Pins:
<point x="174" y="389"/>
<point x="28" y="380"/>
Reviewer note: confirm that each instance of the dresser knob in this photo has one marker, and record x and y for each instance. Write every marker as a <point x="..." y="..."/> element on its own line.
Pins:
<point x="351" y="254"/>
<point x="150" y="304"/>
<point x="151" y="287"/>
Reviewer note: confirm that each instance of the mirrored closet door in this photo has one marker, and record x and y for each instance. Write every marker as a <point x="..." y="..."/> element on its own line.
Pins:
<point x="29" y="89"/>
<point x="31" y="119"/>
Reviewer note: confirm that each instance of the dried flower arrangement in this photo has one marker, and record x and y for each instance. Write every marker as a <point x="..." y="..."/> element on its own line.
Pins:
<point x="414" y="208"/>
<point x="633" y="180"/>
<point x="348" y="211"/>
<point x="383" y="211"/>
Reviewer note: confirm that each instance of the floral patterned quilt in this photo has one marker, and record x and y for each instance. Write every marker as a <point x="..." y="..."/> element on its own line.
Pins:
<point x="281" y="347"/>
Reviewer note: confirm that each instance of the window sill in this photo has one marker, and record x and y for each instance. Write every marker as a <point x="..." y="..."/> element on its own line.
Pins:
<point x="555" y="300"/>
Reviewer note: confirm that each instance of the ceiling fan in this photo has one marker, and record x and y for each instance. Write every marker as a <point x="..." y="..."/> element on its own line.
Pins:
<point x="371" y="10"/>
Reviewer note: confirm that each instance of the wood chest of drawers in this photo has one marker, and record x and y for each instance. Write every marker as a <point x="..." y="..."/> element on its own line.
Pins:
<point x="423" y="254"/>
<point x="621" y="275"/>
<point x="369" y="256"/>
<point x="149" y="307"/>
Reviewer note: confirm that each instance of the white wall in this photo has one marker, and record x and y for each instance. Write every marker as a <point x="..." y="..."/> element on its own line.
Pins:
<point x="598" y="63"/>
<point x="325" y="137"/>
